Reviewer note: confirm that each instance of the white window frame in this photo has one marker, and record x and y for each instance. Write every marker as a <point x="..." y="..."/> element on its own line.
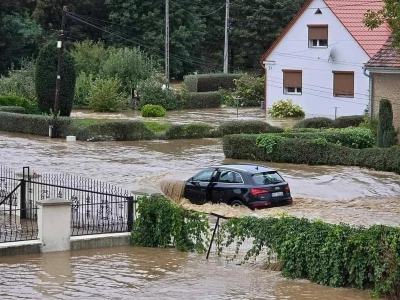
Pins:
<point x="297" y="91"/>
<point x="311" y="44"/>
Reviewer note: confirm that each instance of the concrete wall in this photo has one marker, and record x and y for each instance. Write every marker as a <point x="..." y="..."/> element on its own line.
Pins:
<point x="293" y="53"/>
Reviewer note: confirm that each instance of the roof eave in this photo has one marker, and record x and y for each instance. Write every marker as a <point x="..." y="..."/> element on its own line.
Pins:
<point x="382" y="69"/>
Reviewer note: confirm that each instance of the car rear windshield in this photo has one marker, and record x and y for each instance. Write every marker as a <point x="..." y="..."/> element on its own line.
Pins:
<point x="267" y="178"/>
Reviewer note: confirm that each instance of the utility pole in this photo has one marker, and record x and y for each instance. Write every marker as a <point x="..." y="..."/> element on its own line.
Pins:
<point x="60" y="46"/>
<point x="226" y="37"/>
<point x="167" y="43"/>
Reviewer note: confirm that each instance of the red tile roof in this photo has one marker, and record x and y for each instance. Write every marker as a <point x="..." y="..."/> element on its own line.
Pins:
<point x="387" y="57"/>
<point x="351" y="14"/>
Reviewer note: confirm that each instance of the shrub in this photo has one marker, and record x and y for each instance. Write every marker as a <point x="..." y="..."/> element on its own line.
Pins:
<point x="247" y="126"/>
<point x="191" y="131"/>
<point x="13" y="109"/>
<point x="30" y="107"/>
<point x="312" y="152"/>
<point x="106" y="95"/>
<point x="250" y="90"/>
<point x="335" y="255"/>
<point x="152" y="92"/>
<point x="83" y="86"/>
<point x="150" y="110"/>
<point x="204" y="100"/>
<point x="162" y="223"/>
<point x="32" y="124"/>
<point x="318" y="122"/>
<point x="115" y="130"/>
<point x="386" y="131"/>
<point x="211" y="82"/>
<point x="46" y="71"/>
<point x="89" y="56"/>
<point x="286" y="109"/>
<point x="371" y="123"/>
<point x="348" y="121"/>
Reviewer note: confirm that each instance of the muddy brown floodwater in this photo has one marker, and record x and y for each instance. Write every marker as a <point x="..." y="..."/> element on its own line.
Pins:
<point x="147" y="273"/>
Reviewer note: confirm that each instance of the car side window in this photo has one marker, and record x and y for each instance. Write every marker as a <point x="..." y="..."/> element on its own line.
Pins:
<point x="230" y="177"/>
<point x="203" y="176"/>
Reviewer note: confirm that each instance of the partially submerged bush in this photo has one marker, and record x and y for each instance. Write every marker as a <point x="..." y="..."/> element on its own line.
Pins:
<point x="249" y="90"/>
<point x="106" y="95"/>
<point x="191" y="131"/>
<point x="150" y="110"/>
<point x="317" y="122"/>
<point x="247" y="126"/>
<point x="204" y="100"/>
<point x="286" y="109"/>
<point x="151" y="92"/>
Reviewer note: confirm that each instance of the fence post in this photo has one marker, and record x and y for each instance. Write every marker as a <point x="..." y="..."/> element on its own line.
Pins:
<point x="23" y="193"/>
<point x="212" y="239"/>
<point x="130" y="213"/>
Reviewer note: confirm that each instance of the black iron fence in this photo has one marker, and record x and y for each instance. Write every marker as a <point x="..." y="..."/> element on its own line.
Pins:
<point x="14" y="226"/>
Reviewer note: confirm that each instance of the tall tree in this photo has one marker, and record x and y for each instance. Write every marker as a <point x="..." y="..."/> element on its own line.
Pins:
<point x="390" y="13"/>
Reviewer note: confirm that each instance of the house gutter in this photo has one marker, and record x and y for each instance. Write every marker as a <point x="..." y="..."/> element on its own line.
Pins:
<point x="265" y="85"/>
<point x="371" y="91"/>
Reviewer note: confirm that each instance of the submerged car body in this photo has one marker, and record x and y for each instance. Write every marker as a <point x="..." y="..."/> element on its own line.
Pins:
<point x="255" y="186"/>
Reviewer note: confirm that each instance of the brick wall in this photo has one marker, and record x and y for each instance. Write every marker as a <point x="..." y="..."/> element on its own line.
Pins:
<point x="387" y="86"/>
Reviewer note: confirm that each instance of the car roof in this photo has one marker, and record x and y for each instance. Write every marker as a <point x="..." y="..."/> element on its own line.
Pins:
<point x="249" y="168"/>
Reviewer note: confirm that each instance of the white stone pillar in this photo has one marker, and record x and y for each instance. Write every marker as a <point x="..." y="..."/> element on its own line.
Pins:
<point x="54" y="224"/>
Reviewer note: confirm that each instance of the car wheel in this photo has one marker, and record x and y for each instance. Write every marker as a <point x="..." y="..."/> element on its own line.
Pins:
<point x="237" y="203"/>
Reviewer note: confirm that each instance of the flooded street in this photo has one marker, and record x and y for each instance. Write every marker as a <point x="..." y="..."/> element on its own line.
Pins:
<point x="147" y="273"/>
<point x="332" y="193"/>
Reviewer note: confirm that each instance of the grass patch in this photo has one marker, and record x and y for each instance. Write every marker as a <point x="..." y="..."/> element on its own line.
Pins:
<point x="156" y="126"/>
<point x="90" y="122"/>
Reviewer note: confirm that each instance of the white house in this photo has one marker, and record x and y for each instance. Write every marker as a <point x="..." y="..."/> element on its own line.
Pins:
<point x="318" y="59"/>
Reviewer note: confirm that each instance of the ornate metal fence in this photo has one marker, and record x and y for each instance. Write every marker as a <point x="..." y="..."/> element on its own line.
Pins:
<point x="96" y="207"/>
<point x="13" y="224"/>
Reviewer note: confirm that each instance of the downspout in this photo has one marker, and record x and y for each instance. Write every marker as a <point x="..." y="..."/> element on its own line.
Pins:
<point x="265" y="86"/>
<point x="371" y="92"/>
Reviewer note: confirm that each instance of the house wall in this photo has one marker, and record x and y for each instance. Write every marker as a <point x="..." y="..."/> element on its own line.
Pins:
<point x="387" y="85"/>
<point x="317" y="90"/>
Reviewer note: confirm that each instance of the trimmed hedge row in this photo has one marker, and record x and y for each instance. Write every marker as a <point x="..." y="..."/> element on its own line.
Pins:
<point x="247" y="126"/>
<point x="323" y="122"/>
<point x="311" y="152"/>
<point x="32" y="124"/>
<point x="204" y="100"/>
<point x="191" y="131"/>
<point x="352" y="137"/>
<point x="210" y="82"/>
<point x="328" y="254"/>
<point x="13" y="109"/>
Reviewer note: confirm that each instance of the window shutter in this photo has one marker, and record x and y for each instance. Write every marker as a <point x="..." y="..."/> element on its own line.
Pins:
<point x="343" y="83"/>
<point x="292" y="78"/>
<point x="317" y="32"/>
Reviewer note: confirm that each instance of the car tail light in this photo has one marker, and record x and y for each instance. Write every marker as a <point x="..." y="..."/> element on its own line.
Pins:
<point x="287" y="188"/>
<point x="256" y="192"/>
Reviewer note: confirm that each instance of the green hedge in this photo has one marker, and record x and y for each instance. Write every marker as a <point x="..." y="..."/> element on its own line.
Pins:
<point x="150" y="110"/>
<point x="318" y="122"/>
<point x="312" y="152"/>
<point x="204" y="100"/>
<point x="348" y="121"/>
<point x="211" y="82"/>
<point x="114" y="130"/>
<point x="32" y="124"/>
<point x="328" y="254"/>
<point x="352" y="137"/>
<point x="247" y="126"/>
<point x="13" y="109"/>
<point x="191" y="131"/>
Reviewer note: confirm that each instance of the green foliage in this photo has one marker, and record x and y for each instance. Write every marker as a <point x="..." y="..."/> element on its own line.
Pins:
<point x="328" y="254"/>
<point x="353" y="137"/>
<point x="130" y="65"/>
<point x="156" y="126"/>
<point x="106" y="95"/>
<point x="191" y="131"/>
<point x="20" y="82"/>
<point x="204" y="100"/>
<point x="348" y="121"/>
<point x="113" y="130"/>
<point x="89" y="57"/>
<point x="83" y="86"/>
<point x="286" y="109"/>
<point x="312" y="152"/>
<point x="191" y="82"/>
<point x="32" y="124"/>
<point x="150" y="110"/>
<point x="386" y="132"/>
<point x="151" y="92"/>
<point x="371" y="123"/>
<point x="162" y="223"/>
<point x="268" y="142"/>
<point x="247" y="126"/>
<point x="16" y="101"/>
<point x="214" y="82"/>
<point x="317" y="122"/>
<point x="46" y="71"/>
<point x="250" y="90"/>
<point x="13" y="109"/>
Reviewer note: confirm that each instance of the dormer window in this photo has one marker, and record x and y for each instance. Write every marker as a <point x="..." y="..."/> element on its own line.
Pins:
<point x="317" y="36"/>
